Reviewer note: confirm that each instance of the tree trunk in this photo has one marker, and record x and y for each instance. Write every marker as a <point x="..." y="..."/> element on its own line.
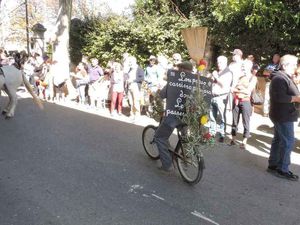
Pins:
<point x="61" y="43"/>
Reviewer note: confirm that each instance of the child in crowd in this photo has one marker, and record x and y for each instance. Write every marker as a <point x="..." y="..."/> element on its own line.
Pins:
<point x="82" y="80"/>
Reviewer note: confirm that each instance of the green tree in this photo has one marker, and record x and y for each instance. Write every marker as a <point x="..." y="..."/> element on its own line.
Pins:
<point x="77" y="39"/>
<point x="154" y="29"/>
<point x="260" y="27"/>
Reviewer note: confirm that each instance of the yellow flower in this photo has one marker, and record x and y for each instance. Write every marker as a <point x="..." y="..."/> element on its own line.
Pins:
<point x="201" y="68"/>
<point x="204" y="120"/>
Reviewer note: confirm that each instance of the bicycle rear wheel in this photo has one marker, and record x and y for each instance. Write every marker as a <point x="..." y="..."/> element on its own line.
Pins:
<point x="190" y="166"/>
<point x="148" y="142"/>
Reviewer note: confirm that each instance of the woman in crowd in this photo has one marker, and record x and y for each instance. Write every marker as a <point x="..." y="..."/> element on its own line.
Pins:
<point x="241" y="102"/>
<point x="82" y="80"/>
<point x="94" y="87"/>
<point x="117" y="86"/>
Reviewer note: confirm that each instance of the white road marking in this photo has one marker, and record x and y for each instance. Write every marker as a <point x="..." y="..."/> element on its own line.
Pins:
<point x="158" y="197"/>
<point x="135" y="187"/>
<point x="195" y="213"/>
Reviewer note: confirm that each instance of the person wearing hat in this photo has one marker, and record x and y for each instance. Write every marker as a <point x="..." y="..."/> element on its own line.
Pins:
<point x="235" y="68"/>
<point x="241" y="92"/>
<point x="236" y="65"/>
<point x="185" y="66"/>
<point x="169" y="122"/>
<point x="152" y="74"/>
<point x="150" y="83"/>
<point x="176" y="59"/>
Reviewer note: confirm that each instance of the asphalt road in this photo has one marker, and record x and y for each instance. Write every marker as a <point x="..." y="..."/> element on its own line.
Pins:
<point x="61" y="166"/>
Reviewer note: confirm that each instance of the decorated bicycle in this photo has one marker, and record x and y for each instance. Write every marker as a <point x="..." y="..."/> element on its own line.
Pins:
<point x="188" y="98"/>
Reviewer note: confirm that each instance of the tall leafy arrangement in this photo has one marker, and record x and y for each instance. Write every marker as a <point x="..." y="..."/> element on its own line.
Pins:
<point x="196" y="117"/>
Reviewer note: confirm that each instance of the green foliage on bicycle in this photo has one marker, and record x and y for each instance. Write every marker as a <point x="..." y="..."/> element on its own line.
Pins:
<point x="197" y="137"/>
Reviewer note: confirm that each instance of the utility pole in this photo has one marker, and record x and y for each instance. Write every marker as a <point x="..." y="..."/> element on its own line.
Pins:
<point x="27" y="27"/>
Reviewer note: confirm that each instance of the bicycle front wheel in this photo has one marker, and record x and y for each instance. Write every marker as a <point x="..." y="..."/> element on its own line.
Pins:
<point x="190" y="166"/>
<point x="148" y="142"/>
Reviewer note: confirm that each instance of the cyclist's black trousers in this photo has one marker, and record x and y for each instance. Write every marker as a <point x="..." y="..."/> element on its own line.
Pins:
<point x="161" y="138"/>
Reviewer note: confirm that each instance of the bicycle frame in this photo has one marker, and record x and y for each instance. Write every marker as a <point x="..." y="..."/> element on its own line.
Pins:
<point x="176" y="149"/>
<point x="183" y="159"/>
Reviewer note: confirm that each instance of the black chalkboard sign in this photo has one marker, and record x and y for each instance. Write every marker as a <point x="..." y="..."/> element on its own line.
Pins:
<point x="180" y="85"/>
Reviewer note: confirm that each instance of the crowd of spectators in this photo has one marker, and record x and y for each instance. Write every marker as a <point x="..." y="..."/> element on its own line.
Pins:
<point x="126" y="84"/>
<point x="233" y="88"/>
<point x="110" y="87"/>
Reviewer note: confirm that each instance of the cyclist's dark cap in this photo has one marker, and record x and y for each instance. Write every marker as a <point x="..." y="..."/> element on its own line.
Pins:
<point x="186" y="65"/>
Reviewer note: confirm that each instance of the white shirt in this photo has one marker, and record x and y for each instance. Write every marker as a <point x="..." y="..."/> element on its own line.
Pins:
<point x="224" y="79"/>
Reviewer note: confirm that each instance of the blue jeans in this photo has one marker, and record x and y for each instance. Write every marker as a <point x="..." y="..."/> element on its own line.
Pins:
<point x="282" y="145"/>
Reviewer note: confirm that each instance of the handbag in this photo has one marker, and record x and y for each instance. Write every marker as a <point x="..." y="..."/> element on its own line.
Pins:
<point x="257" y="98"/>
<point x="125" y="101"/>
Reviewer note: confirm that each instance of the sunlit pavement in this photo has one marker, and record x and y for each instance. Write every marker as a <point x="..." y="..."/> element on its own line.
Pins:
<point x="259" y="143"/>
<point x="261" y="127"/>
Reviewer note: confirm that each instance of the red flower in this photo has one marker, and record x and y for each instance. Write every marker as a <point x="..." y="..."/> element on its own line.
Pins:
<point x="207" y="136"/>
<point x="202" y="62"/>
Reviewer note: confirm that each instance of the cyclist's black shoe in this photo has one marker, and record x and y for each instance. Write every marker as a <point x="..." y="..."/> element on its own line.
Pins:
<point x="165" y="170"/>
<point x="221" y="140"/>
<point x="287" y="175"/>
<point x="272" y="169"/>
<point x="232" y="143"/>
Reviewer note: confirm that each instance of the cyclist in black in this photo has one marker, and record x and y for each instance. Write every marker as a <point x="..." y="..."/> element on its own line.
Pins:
<point x="168" y="124"/>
